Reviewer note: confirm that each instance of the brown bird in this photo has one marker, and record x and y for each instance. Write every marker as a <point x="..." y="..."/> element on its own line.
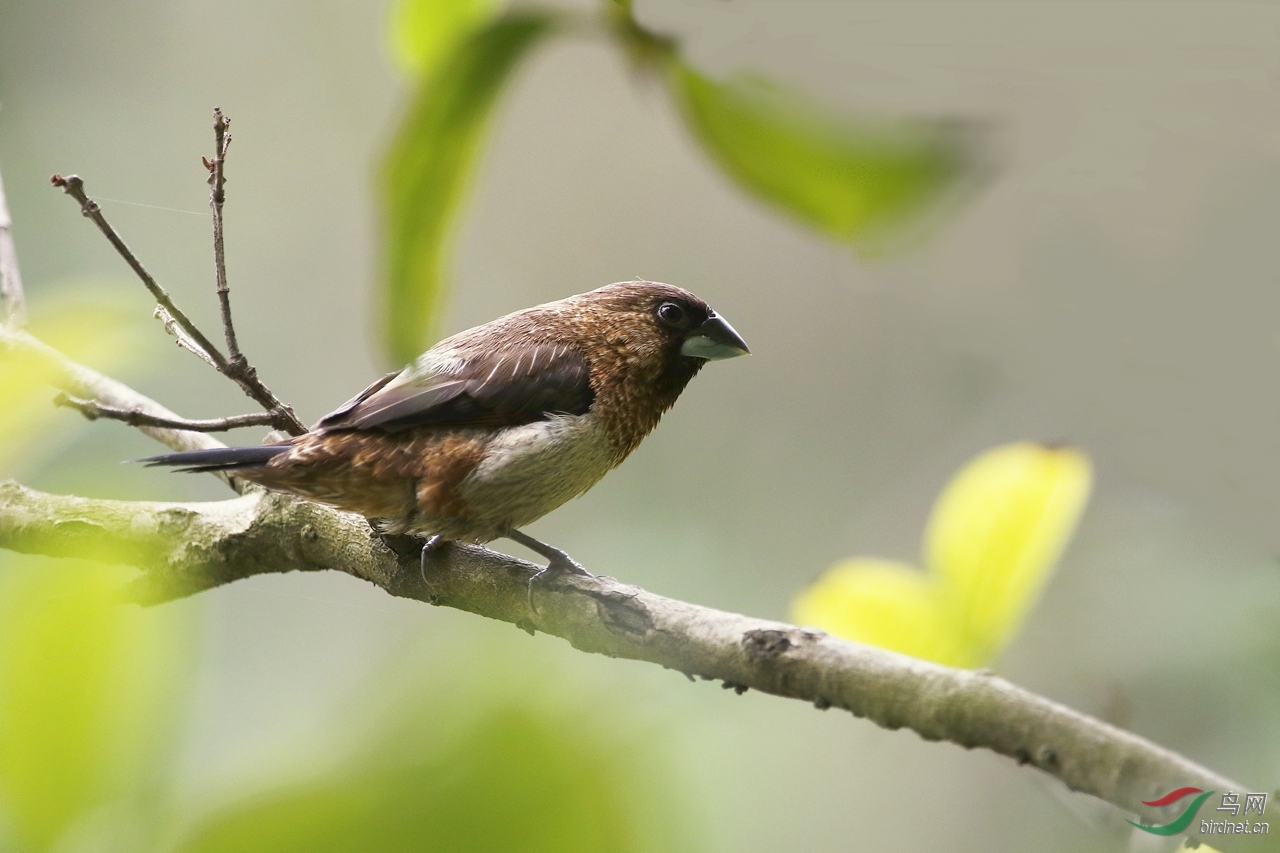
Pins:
<point x="494" y="427"/>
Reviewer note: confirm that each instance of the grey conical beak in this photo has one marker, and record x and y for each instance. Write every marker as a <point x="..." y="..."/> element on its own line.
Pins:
<point x="714" y="339"/>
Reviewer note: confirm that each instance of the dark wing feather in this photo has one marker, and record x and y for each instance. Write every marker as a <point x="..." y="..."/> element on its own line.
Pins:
<point x="356" y="400"/>
<point x="517" y="386"/>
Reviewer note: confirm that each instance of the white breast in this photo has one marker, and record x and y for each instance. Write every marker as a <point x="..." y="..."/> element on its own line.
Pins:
<point x="532" y="469"/>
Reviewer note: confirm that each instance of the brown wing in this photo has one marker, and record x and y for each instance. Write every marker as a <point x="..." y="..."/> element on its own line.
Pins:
<point x="517" y="386"/>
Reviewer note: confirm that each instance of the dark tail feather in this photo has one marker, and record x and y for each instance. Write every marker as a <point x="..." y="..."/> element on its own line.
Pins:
<point x="218" y="459"/>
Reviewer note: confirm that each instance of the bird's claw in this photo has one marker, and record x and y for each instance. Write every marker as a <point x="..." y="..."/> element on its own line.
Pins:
<point x="558" y="564"/>
<point x="563" y="564"/>
<point x="431" y="546"/>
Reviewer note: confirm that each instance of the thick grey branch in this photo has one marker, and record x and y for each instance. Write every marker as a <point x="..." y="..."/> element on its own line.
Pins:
<point x="184" y="548"/>
<point x="13" y="307"/>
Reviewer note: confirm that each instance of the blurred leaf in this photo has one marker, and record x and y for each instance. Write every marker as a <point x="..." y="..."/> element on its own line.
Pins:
<point x="87" y="692"/>
<point x="429" y="165"/>
<point x="90" y="329"/>
<point x="424" y="32"/>
<point x="994" y="536"/>
<point x="997" y="531"/>
<point x="855" y="181"/>
<point x="881" y="603"/>
<point x="519" y="780"/>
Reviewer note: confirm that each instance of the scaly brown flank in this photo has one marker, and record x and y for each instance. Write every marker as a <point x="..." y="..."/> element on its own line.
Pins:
<point x="380" y="475"/>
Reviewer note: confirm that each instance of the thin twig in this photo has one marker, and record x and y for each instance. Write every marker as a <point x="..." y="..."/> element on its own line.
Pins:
<point x="93" y="410"/>
<point x="14" y="312"/>
<point x="217" y="195"/>
<point x="18" y="345"/>
<point x="180" y="337"/>
<point x="73" y="186"/>
<point x="240" y="372"/>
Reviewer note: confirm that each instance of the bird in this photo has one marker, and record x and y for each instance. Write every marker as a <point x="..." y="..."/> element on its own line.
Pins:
<point x="496" y="426"/>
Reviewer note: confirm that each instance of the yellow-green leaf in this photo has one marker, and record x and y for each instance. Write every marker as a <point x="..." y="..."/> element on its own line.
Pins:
<point x="428" y="169"/>
<point x="881" y="603"/>
<point x="997" y="531"/>
<point x="994" y="536"/>
<point x="87" y="690"/>
<point x="857" y="181"/>
<point x="424" y="32"/>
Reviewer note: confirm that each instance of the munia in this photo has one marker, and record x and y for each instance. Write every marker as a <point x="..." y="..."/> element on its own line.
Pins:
<point x="494" y="427"/>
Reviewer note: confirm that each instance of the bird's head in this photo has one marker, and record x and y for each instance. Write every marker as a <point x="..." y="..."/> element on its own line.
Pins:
<point x="644" y="341"/>
<point x="650" y="315"/>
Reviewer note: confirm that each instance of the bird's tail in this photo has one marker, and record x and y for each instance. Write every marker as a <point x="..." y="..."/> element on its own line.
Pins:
<point x="219" y="459"/>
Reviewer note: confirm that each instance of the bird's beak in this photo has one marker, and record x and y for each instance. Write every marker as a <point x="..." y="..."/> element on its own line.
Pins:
<point x="714" y="339"/>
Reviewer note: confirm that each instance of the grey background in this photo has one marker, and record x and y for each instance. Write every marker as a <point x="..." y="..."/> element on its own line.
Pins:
<point x="1115" y="285"/>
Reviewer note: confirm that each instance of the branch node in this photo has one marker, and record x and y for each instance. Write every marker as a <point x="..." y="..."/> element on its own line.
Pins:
<point x="86" y="408"/>
<point x="763" y="646"/>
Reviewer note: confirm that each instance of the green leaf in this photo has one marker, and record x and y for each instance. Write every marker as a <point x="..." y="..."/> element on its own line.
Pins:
<point x="88" y="686"/>
<point x="994" y="537"/>
<point x="519" y="779"/>
<point x="997" y="531"/>
<point x="429" y="166"/>
<point x="424" y="32"/>
<point x="853" y="180"/>
<point x="882" y="603"/>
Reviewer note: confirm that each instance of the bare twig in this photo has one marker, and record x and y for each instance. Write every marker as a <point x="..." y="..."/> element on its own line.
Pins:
<point x="181" y="338"/>
<point x="184" y="548"/>
<point x="73" y="186"/>
<point x="93" y="410"/>
<point x="14" y="313"/>
<point x="241" y="372"/>
<point x="217" y="195"/>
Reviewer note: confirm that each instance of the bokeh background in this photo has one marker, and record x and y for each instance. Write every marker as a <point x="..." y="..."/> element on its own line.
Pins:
<point x="1114" y="283"/>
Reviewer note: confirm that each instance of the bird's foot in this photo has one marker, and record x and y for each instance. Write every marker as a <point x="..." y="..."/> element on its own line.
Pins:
<point x="434" y="545"/>
<point x="558" y="562"/>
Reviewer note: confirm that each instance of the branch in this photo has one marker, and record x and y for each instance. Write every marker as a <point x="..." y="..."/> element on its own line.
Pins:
<point x="184" y="548"/>
<point x="217" y="195"/>
<point x="13" y="311"/>
<point x="181" y="338"/>
<point x="93" y="410"/>
<point x="239" y="371"/>
<point x="73" y="186"/>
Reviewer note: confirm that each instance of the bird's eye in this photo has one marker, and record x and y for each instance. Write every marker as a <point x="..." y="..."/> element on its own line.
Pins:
<point x="671" y="314"/>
